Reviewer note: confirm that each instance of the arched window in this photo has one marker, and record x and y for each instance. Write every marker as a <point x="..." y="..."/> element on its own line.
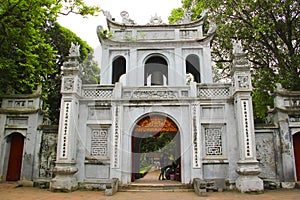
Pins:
<point x="156" y="71"/>
<point x="192" y="64"/>
<point x="118" y="68"/>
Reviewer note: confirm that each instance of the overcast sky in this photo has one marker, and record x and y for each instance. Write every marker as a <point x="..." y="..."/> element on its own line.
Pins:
<point x="139" y="10"/>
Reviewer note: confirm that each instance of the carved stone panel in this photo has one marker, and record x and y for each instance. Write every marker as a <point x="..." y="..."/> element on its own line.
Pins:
<point x="213" y="142"/>
<point x="68" y="84"/>
<point x="99" y="143"/>
<point x="47" y="155"/>
<point x="265" y="153"/>
<point x="243" y="82"/>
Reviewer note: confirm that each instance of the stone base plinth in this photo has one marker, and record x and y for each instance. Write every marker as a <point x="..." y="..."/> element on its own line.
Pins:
<point x="249" y="183"/>
<point x="288" y="185"/>
<point x="63" y="183"/>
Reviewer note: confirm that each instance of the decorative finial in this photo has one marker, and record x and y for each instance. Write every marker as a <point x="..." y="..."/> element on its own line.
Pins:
<point x="74" y="50"/>
<point x="156" y="20"/>
<point x="237" y="47"/>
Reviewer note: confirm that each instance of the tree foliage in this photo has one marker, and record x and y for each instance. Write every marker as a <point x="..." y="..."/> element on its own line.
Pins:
<point x="269" y="32"/>
<point x="33" y="46"/>
<point x="60" y="39"/>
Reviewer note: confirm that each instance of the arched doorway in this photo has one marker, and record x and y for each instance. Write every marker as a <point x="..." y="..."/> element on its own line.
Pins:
<point x="155" y="141"/>
<point x="16" y="141"/>
<point x="296" y="143"/>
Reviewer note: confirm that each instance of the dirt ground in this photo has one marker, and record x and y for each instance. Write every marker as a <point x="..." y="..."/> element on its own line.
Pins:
<point x="10" y="191"/>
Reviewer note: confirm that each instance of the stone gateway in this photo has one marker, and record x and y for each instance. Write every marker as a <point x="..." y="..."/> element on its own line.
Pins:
<point x="156" y="88"/>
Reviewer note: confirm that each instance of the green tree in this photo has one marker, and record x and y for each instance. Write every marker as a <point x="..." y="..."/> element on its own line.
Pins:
<point x="33" y="46"/>
<point x="269" y="32"/>
<point x="60" y="39"/>
<point x="91" y="71"/>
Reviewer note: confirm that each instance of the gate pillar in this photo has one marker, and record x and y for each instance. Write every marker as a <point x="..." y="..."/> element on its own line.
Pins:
<point x="248" y="168"/>
<point x="68" y="125"/>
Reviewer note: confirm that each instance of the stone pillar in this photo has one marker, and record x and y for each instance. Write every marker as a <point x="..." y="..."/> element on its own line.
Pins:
<point x="68" y="125"/>
<point x="248" y="168"/>
<point x="283" y="107"/>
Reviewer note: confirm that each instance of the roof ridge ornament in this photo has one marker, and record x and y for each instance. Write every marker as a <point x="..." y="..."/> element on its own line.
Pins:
<point x="212" y="28"/>
<point x="125" y="18"/>
<point x="156" y="20"/>
<point x="107" y="14"/>
<point x="187" y="17"/>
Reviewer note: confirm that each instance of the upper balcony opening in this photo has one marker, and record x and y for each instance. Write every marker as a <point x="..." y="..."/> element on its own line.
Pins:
<point x="156" y="71"/>
<point x="118" y="68"/>
<point x="192" y="63"/>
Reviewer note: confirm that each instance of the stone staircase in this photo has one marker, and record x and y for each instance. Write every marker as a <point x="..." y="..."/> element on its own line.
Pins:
<point x="150" y="187"/>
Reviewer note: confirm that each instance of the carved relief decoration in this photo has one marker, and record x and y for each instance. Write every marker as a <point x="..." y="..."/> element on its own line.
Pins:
<point x="99" y="142"/>
<point x="107" y="14"/>
<point x="155" y="124"/>
<point x="265" y="153"/>
<point x="125" y="18"/>
<point x="213" y="141"/>
<point x="240" y="60"/>
<point x="68" y="84"/>
<point x="154" y="94"/>
<point x="47" y="155"/>
<point x="187" y="17"/>
<point x="243" y="82"/>
<point x="156" y="20"/>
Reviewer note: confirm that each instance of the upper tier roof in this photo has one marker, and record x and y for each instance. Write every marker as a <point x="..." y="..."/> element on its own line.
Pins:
<point x="183" y="30"/>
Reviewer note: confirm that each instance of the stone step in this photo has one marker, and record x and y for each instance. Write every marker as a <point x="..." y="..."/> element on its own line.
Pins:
<point x="156" y="187"/>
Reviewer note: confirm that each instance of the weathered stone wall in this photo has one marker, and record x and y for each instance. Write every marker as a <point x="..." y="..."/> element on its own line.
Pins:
<point x="47" y="152"/>
<point x="266" y="152"/>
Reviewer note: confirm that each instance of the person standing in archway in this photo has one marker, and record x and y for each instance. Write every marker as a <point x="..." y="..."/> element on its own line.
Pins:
<point x="164" y="162"/>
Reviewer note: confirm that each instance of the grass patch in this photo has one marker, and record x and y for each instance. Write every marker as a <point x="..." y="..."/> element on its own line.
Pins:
<point x="145" y="170"/>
